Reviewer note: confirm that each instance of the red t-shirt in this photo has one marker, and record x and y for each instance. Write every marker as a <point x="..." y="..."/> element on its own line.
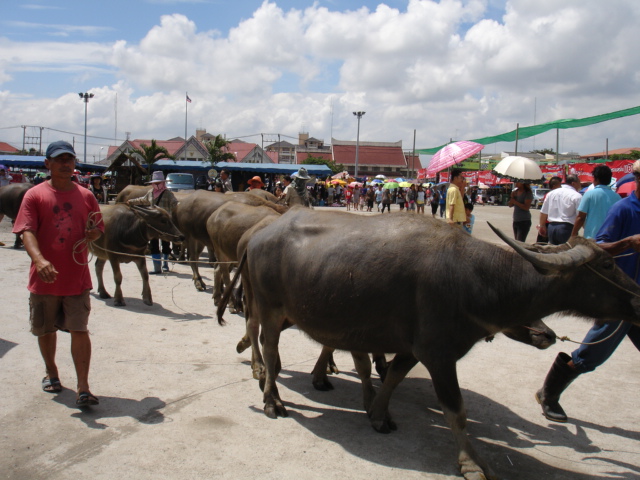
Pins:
<point x="59" y="220"/>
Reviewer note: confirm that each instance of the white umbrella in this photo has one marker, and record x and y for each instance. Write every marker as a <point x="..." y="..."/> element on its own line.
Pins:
<point x="381" y="177"/>
<point x="518" y="169"/>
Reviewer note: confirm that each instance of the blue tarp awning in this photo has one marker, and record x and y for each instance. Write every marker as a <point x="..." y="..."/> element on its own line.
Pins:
<point x="33" y="161"/>
<point x="278" y="168"/>
<point x="181" y="165"/>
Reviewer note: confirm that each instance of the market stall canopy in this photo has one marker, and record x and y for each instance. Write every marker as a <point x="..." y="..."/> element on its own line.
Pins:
<point x="278" y="168"/>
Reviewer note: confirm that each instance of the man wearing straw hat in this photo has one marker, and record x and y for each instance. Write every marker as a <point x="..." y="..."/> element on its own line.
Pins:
<point x="164" y="198"/>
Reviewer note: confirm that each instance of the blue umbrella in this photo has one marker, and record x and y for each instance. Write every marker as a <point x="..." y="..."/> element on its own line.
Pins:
<point x="376" y="180"/>
<point x="626" y="179"/>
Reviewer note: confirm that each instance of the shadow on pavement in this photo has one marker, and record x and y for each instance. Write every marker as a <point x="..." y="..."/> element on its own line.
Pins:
<point x="145" y="411"/>
<point x="423" y="441"/>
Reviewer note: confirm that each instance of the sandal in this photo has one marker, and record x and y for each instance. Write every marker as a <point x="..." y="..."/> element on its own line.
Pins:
<point x="51" y="385"/>
<point x="86" y="399"/>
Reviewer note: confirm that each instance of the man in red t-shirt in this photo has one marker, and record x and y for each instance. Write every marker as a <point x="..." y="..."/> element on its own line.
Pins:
<point x="54" y="218"/>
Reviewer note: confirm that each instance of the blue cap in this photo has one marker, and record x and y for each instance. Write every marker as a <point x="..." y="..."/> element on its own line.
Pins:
<point x="56" y="149"/>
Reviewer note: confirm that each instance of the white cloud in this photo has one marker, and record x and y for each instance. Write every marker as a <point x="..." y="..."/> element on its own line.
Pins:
<point x="444" y="68"/>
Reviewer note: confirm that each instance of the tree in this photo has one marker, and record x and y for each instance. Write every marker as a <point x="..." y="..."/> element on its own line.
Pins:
<point x="544" y="151"/>
<point x="335" y="168"/>
<point x="152" y="153"/>
<point x="634" y="155"/>
<point x="218" y="151"/>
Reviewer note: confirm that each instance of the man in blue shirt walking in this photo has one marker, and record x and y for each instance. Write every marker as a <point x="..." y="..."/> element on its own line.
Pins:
<point x="595" y="203"/>
<point x="619" y="235"/>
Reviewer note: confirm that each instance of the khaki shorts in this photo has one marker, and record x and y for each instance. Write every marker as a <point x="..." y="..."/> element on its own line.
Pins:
<point x="49" y="313"/>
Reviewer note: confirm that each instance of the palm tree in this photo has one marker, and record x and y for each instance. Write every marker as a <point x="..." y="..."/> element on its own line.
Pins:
<point x="151" y="154"/>
<point x="217" y="150"/>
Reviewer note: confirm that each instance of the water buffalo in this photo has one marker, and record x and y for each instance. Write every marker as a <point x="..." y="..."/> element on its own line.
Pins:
<point x="192" y="213"/>
<point x="454" y="290"/>
<point x="127" y="231"/>
<point x="10" y="200"/>
<point x="132" y="191"/>
<point x="270" y="197"/>
<point x="225" y="227"/>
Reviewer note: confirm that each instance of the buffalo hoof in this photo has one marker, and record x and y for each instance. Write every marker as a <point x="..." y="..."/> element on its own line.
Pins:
<point x="200" y="285"/>
<point x="147" y="301"/>
<point x="384" y="426"/>
<point x="243" y="344"/>
<point x="119" y="303"/>
<point x="275" y="410"/>
<point x="232" y="310"/>
<point x="104" y="295"/>
<point x="322" y="385"/>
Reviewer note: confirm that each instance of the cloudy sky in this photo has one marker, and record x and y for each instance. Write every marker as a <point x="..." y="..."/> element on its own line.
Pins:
<point x="453" y="69"/>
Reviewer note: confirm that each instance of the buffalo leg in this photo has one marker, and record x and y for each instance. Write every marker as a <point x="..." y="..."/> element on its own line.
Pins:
<point x="320" y="379"/>
<point x="273" y="406"/>
<point x="144" y="274"/>
<point x="194" y="250"/>
<point x="445" y="382"/>
<point x="379" y="410"/>
<point x="118" y="300"/>
<point x="381" y="364"/>
<point x="102" y="291"/>
<point x="363" y="367"/>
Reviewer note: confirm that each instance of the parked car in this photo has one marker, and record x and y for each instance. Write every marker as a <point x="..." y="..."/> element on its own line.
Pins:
<point x="180" y="181"/>
<point x="538" y="197"/>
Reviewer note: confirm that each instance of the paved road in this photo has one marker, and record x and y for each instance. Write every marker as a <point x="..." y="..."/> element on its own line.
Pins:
<point x="177" y="401"/>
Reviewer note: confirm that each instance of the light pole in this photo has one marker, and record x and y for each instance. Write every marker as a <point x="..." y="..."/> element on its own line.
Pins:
<point x="85" y="96"/>
<point x="359" y="115"/>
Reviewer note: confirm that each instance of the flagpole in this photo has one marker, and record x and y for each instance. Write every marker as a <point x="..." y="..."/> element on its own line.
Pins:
<point x="186" y="103"/>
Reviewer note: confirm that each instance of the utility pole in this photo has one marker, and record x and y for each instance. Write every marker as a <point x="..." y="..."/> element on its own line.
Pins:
<point x="85" y="96"/>
<point x="359" y="115"/>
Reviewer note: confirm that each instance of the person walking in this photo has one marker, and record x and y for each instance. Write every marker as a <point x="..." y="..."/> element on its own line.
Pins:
<point x="560" y="207"/>
<point x="386" y="199"/>
<point x="595" y="203"/>
<point x="53" y="218"/>
<point x="443" y="200"/>
<point x="226" y="181"/>
<point x="435" y="201"/>
<point x="411" y="198"/>
<point x="159" y="196"/>
<point x="455" y="205"/>
<point x="520" y="200"/>
<point x="400" y="198"/>
<point x="620" y="236"/>
<point x="421" y="199"/>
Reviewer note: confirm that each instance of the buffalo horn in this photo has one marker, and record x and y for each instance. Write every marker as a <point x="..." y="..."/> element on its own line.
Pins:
<point x="571" y="258"/>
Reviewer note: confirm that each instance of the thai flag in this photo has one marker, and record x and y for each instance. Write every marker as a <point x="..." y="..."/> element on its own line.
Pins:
<point x="188" y="99"/>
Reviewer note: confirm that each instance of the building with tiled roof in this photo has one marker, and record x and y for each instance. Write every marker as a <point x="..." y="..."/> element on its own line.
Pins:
<point x="374" y="158"/>
<point x="286" y="151"/>
<point x="619" y="151"/>
<point x="6" y="149"/>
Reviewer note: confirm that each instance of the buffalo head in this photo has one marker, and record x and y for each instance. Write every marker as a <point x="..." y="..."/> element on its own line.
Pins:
<point x="159" y="223"/>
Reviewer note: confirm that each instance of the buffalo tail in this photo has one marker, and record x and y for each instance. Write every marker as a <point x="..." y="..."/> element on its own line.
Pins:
<point x="228" y="291"/>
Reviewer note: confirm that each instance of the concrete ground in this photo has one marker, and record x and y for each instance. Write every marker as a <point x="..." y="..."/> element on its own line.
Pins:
<point x="177" y="401"/>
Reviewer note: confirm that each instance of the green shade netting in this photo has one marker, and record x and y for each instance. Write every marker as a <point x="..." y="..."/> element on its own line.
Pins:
<point x="526" y="132"/>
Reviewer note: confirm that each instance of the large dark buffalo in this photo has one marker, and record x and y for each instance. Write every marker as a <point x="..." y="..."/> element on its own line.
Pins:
<point x="10" y="200"/>
<point x="192" y="213"/>
<point x="454" y="290"/>
<point x="127" y="231"/>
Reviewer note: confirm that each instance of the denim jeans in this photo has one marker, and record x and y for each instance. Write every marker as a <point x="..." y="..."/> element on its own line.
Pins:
<point x="587" y="358"/>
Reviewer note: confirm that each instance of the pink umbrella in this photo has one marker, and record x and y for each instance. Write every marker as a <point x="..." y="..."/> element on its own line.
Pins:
<point x="451" y="154"/>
